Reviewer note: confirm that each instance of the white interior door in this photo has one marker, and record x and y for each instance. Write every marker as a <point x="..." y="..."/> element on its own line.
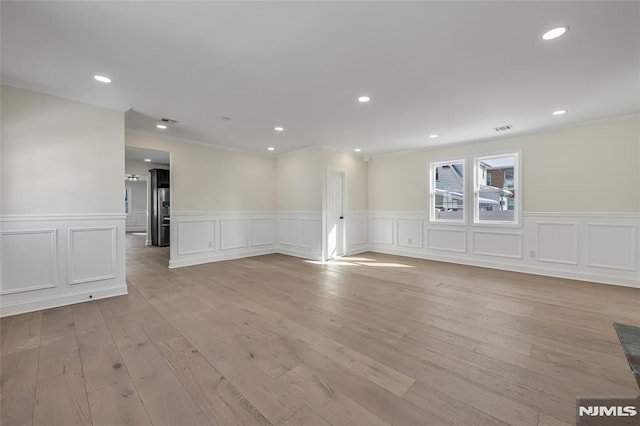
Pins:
<point x="335" y="214"/>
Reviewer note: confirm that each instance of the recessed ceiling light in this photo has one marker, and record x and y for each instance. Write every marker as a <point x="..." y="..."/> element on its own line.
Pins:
<point x="433" y="136"/>
<point x="102" y="78"/>
<point x="560" y="112"/>
<point x="148" y="160"/>
<point x="271" y="148"/>
<point x="554" y="33"/>
<point x="364" y="99"/>
<point x="357" y="150"/>
<point x="161" y="126"/>
<point x="278" y="129"/>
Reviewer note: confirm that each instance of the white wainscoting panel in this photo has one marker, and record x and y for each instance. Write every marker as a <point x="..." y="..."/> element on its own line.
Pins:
<point x="612" y="246"/>
<point x="195" y="235"/>
<point x="410" y="232"/>
<point x="234" y="233"/>
<point x="557" y="242"/>
<point x="598" y="247"/>
<point x="289" y="231"/>
<point x="92" y="254"/>
<point x="356" y="224"/>
<point x="202" y="237"/>
<point x="501" y="244"/>
<point x="29" y="260"/>
<point x="381" y="230"/>
<point x="300" y="234"/>
<point x="454" y="240"/>
<point x="263" y="231"/>
<point x="310" y="234"/>
<point x="56" y="260"/>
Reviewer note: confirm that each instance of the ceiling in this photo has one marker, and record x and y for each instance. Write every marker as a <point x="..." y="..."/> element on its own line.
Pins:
<point x="456" y="69"/>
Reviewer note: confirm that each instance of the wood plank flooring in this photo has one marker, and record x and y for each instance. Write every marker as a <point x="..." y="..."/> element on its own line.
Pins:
<point x="275" y="340"/>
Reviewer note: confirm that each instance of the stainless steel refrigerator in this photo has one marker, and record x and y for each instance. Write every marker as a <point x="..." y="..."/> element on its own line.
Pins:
<point x="160" y="208"/>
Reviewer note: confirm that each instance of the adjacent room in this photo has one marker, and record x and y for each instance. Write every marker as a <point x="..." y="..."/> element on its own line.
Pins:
<point x="319" y="213"/>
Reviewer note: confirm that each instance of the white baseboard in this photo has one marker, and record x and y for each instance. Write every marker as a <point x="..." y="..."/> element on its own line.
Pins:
<point x="39" y="303"/>
<point x="297" y="252"/>
<point x="218" y="257"/>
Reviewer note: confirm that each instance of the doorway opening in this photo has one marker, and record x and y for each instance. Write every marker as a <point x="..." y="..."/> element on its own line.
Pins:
<point x="147" y="198"/>
<point x="334" y="226"/>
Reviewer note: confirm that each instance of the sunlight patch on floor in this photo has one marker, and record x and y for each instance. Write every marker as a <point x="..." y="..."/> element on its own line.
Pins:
<point x="354" y="261"/>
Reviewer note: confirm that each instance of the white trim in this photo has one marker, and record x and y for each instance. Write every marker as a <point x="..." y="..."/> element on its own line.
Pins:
<point x="460" y="231"/>
<point x="247" y="231"/>
<point x="218" y="256"/>
<point x="384" y="223"/>
<point x="54" y="259"/>
<point x="583" y="214"/>
<point x="632" y="227"/>
<point x="243" y="213"/>
<point x="62" y="216"/>
<point x="517" y="187"/>
<point x="574" y="225"/>
<point x="70" y="254"/>
<point x="483" y="253"/>
<point x="431" y="182"/>
<point x="177" y="224"/>
<point x="55" y="301"/>
<point x="514" y="267"/>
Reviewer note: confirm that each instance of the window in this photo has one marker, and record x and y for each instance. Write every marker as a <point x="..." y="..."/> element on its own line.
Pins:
<point x="496" y="197"/>
<point x="447" y="189"/>
<point x="127" y="200"/>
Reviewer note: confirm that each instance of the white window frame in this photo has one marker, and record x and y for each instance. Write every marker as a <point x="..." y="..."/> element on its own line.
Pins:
<point x="432" y="192"/>
<point x="517" y="178"/>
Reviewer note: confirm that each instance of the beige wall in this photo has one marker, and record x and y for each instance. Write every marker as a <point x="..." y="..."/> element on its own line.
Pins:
<point x="60" y="156"/>
<point x="299" y="181"/>
<point x="587" y="169"/>
<point x="355" y="173"/>
<point x="211" y="179"/>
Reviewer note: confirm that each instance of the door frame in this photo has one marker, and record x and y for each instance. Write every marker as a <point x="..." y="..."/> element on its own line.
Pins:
<point x="325" y="215"/>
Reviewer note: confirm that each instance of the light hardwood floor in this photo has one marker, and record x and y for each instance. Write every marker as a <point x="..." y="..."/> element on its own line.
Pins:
<point x="370" y="340"/>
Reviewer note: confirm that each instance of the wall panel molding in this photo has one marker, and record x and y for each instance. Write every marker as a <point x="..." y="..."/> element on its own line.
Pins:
<point x="300" y="234"/>
<point x="54" y="260"/>
<point x="92" y="254"/>
<point x="496" y="243"/>
<point x="598" y="247"/>
<point x="454" y="240"/>
<point x="234" y="233"/>
<point x="263" y="231"/>
<point x="37" y="271"/>
<point x="557" y="242"/>
<point x="194" y="235"/>
<point x="612" y="245"/>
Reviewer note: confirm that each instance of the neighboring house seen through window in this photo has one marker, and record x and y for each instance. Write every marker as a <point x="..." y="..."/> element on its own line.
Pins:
<point x="496" y="189"/>
<point x="447" y="191"/>
<point x="495" y="196"/>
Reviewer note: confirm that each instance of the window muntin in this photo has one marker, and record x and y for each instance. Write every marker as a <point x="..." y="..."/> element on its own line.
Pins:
<point x="496" y="195"/>
<point x="447" y="191"/>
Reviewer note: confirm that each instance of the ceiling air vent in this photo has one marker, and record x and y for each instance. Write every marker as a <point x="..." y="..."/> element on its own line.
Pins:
<point x="503" y="128"/>
<point x="169" y="120"/>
